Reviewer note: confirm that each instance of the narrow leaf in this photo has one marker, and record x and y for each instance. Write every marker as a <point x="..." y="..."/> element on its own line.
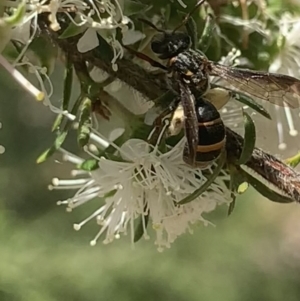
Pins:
<point x="68" y="81"/>
<point x="18" y="15"/>
<point x="207" y="34"/>
<point x="266" y="191"/>
<point x="210" y="180"/>
<point x="133" y="7"/>
<point x="89" y="165"/>
<point x="139" y="230"/>
<point x="249" y="139"/>
<point x="85" y="122"/>
<point x="236" y="185"/>
<point x="104" y="51"/>
<point x="293" y="161"/>
<point x="232" y="204"/>
<point x="251" y="103"/>
<point x="232" y="187"/>
<point x="57" y="122"/>
<point x="62" y="136"/>
<point x="191" y="28"/>
<point x="50" y="151"/>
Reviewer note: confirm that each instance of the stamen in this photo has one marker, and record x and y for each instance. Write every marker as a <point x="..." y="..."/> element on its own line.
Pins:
<point x="77" y="227"/>
<point x="78" y="172"/>
<point x="292" y="130"/>
<point x="107" y="140"/>
<point x="80" y="182"/>
<point x="39" y="95"/>
<point x="279" y="125"/>
<point x="103" y="142"/>
<point x="69" y="157"/>
<point x="78" y="201"/>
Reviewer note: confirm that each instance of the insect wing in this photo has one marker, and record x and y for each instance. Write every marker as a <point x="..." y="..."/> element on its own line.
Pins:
<point x="219" y="97"/>
<point x="281" y="90"/>
<point x="190" y="122"/>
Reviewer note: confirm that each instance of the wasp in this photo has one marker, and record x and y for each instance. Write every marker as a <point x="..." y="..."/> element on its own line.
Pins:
<point x="190" y="70"/>
<point x="206" y="131"/>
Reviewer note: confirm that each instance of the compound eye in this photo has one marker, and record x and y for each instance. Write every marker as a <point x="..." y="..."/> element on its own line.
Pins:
<point x="157" y="44"/>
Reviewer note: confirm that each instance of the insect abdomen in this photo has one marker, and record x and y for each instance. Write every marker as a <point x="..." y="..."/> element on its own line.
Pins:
<point x="211" y="133"/>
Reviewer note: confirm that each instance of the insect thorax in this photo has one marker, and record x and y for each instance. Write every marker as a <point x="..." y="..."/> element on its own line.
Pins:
<point x="190" y="67"/>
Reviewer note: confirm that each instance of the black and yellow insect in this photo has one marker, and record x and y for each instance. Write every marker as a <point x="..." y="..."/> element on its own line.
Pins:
<point x="207" y="128"/>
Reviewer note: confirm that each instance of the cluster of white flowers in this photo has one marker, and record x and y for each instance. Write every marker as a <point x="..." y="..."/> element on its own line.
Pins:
<point x="144" y="183"/>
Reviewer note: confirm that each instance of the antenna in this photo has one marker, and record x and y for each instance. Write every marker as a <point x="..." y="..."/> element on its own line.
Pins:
<point x="151" y="25"/>
<point x="198" y="4"/>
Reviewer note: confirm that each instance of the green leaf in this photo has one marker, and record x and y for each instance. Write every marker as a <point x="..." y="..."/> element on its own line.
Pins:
<point x="89" y="165"/>
<point x="232" y="204"/>
<point x="104" y="50"/>
<point x="133" y="7"/>
<point x="139" y="230"/>
<point x="57" y="122"/>
<point x="192" y="31"/>
<point x="167" y="13"/>
<point x="293" y="161"/>
<point x="210" y="180"/>
<point x="85" y="122"/>
<point x="68" y="81"/>
<point x="50" y="151"/>
<point x="207" y="34"/>
<point x="232" y="187"/>
<point x="45" y="51"/>
<point x="72" y="30"/>
<point x="236" y="185"/>
<point x="249" y="140"/>
<point x="62" y="136"/>
<point x="18" y="15"/>
<point x="266" y="191"/>
<point x="251" y="103"/>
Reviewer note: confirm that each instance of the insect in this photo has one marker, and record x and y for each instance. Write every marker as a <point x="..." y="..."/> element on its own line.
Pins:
<point x="207" y="129"/>
<point x="190" y="70"/>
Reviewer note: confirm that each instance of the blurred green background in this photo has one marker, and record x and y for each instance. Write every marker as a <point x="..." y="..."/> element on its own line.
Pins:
<point x="253" y="255"/>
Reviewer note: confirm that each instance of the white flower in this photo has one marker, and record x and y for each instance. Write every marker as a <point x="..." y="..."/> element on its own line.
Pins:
<point x="147" y="182"/>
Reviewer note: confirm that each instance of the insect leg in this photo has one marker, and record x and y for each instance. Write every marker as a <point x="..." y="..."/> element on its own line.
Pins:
<point x="159" y="121"/>
<point x="151" y="25"/>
